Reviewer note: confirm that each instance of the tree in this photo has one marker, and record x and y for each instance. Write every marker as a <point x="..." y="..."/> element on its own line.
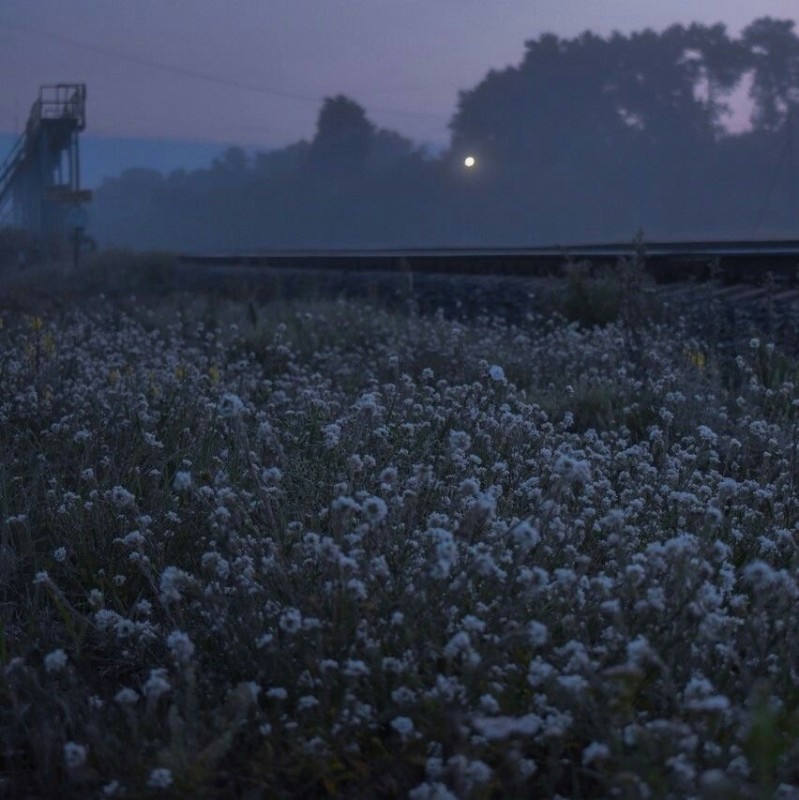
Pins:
<point x="589" y="97"/>
<point x="344" y="136"/>
<point x="542" y="110"/>
<point x="773" y="49"/>
<point x="719" y="63"/>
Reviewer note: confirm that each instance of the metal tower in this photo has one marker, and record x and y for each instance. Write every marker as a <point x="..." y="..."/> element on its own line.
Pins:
<point x="40" y="179"/>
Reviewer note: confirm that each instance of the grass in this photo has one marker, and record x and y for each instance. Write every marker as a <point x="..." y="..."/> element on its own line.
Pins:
<point x="322" y="548"/>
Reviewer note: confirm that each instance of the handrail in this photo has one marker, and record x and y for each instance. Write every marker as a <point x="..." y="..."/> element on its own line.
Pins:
<point x="59" y="101"/>
<point x="10" y="165"/>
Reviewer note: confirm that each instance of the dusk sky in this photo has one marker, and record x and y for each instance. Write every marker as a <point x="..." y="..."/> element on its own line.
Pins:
<point x="255" y="71"/>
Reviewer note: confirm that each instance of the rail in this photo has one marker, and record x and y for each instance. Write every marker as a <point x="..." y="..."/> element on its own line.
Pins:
<point x="737" y="260"/>
<point x="9" y="167"/>
<point x="62" y="101"/>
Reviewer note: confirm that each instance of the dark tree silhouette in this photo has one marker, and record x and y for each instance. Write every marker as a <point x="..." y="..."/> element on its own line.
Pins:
<point x="540" y="111"/>
<point x="774" y="53"/>
<point x="590" y="138"/>
<point x="344" y="136"/>
<point x="718" y="64"/>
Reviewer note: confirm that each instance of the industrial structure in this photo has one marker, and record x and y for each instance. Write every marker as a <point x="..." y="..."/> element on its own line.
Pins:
<point x="40" y="190"/>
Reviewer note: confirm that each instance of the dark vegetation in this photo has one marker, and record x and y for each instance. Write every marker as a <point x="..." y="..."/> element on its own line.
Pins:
<point x="264" y="547"/>
<point x="585" y="139"/>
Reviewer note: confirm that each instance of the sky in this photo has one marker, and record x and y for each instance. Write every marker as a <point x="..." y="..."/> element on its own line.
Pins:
<point x="254" y="72"/>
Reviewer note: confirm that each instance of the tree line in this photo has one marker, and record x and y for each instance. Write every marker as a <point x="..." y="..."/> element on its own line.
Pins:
<point x="585" y="139"/>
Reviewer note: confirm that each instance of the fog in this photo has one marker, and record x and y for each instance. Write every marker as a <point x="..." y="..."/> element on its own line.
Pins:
<point x="591" y="139"/>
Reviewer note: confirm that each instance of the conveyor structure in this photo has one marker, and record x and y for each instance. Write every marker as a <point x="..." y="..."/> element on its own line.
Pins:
<point x="40" y="188"/>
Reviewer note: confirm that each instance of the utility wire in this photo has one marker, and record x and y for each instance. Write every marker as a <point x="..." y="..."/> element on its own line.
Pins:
<point x="201" y="76"/>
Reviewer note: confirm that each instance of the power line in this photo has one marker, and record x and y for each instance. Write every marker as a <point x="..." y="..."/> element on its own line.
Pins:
<point x="201" y="76"/>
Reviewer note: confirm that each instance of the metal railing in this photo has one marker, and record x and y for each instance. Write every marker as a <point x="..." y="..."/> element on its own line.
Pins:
<point x="59" y="101"/>
<point x="8" y="170"/>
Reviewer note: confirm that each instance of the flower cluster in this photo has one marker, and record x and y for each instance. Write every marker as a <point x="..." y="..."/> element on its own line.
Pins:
<point x="367" y="553"/>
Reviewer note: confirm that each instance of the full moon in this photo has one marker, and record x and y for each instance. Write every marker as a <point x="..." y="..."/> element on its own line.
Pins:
<point x="469" y="162"/>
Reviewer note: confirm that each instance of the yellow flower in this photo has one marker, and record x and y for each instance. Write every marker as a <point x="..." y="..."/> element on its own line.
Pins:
<point x="213" y="372"/>
<point x="36" y="323"/>
<point x="696" y="357"/>
<point x="113" y="377"/>
<point x="49" y="343"/>
<point x="180" y="372"/>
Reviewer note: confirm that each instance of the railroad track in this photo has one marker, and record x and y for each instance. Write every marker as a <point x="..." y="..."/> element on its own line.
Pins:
<point x="741" y="261"/>
<point x="742" y="288"/>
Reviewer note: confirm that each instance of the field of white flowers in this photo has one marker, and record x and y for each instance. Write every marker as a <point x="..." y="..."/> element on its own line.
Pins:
<point x="325" y="549"/>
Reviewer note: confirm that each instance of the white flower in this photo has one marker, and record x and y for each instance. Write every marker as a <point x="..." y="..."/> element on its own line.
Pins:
<point x="182" y="481"/>
<point x="121" y="497"/>
<point x="290" y="620"/>
<point x="355" y="668"/>
<point x="539" y="671"/>
<point x="74" y="755"/>
<point x="173" y="580"/>
<point x="230" y="405"/>
<point x="496" y="373"/>
<point x="133" y="540"/>
<point x="460" y="440"/>
<point x="55" y="661"/>
<point x="160" y="778"/>
<point x="707" y="435"/>
<point x="60" y="554"/>
<point x="95" y="598"/>
<point x="181" y="646"/>
<point x="489" y="704"/>
<point x="446" y="551"/>
<point x="538" y="633"/>
<point x="368" y="403"/>
<point x="403" y="726"/>
<point x="573" y="470"/>
<point x="699" y="695"/>
<point x="388" y="475"/>
<point x="332" y="434"/>
<point x="461" y="645"/>
<point x="157" y="684"/>
<point x="126" y="696"/>
<point x="374" y="509"/>
<point x="759" y="574"/>
<point x="470" y="772"/>
<point x="272" y="476"/>
<point x="525" y="535"/>
<point x="431" y="791"/>
<point x="595" y="752"/>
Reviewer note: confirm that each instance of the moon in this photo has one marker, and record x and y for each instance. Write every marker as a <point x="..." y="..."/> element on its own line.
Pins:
<point x="469" y="162"/>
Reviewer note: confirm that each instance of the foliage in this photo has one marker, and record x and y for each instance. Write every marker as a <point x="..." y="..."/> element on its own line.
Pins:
<point x="324" y="549"/>
<point x="585" y="139"/>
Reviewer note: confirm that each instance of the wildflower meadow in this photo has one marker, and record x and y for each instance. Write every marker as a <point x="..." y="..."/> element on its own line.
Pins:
<point x="325" y="548"/>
